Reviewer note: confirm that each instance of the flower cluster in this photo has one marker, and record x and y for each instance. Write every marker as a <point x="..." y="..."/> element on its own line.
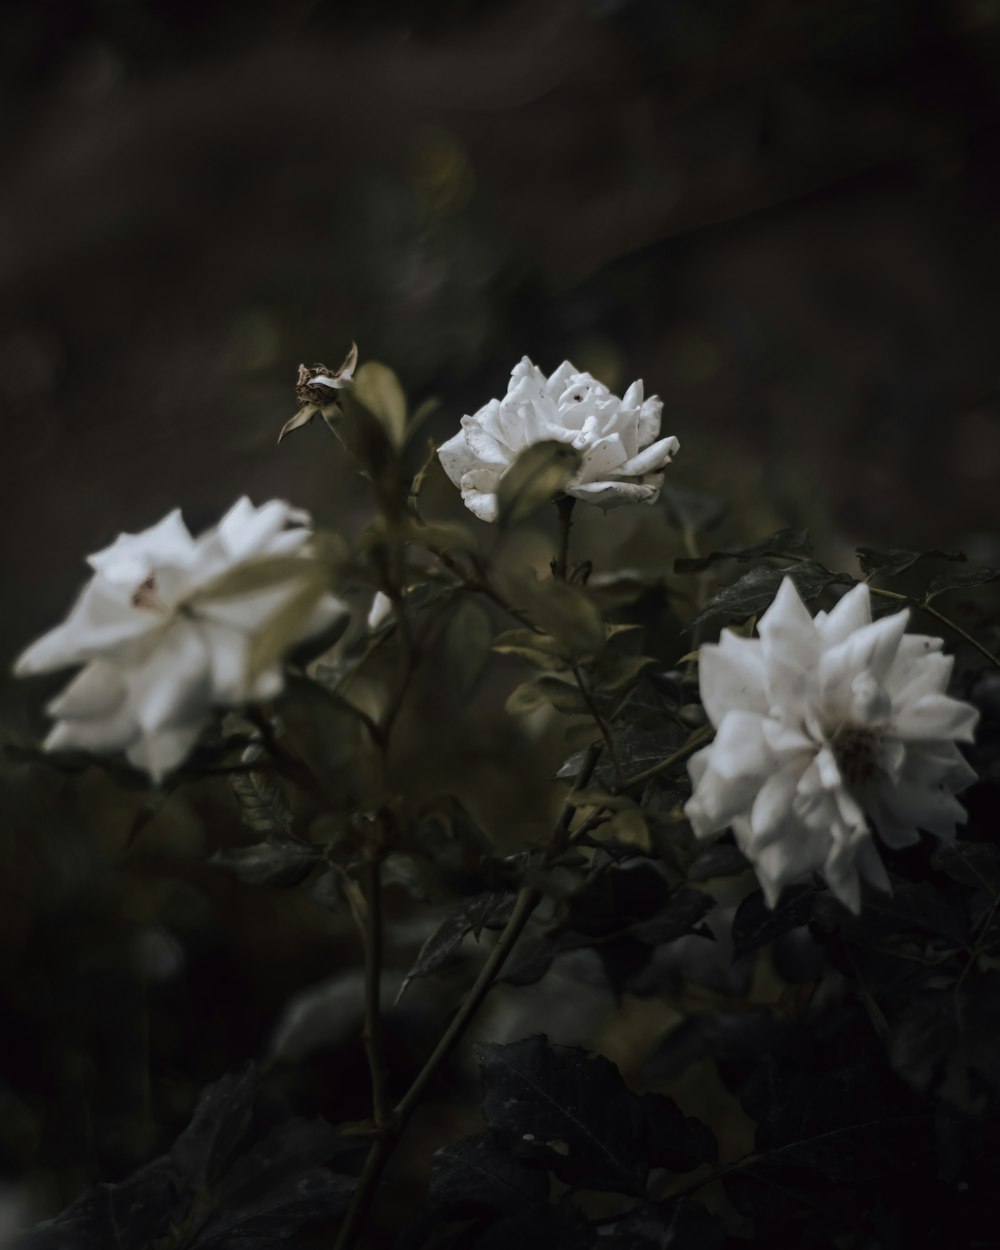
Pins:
<point x="165" y="631"/>
<point x="823" y="725"/>
<point x="623" y="453"/>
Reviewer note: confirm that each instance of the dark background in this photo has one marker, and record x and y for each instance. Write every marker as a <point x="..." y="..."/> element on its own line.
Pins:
<point x="782" y="215"/>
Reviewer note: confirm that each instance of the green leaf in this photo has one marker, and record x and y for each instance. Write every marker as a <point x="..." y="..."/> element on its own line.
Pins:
<point x="539" y="474"/>
<point x="479" y="1174"/>
<point x="285" y="627"/>
<point x="278" y="861"/>
<point x="615" y="672"/>
<point x="557" y="608"/>
<point x="961" y="579"/>
<point x="467" y="642"/>
<point x="263" y="803"/>
<point x="378" y="388"/>
<point x="540" y="650"/>
<point x="257" y="575"/>
<point x="755" y="590"/>
<point x="755" y="924"/>
<point x="784" y="542"/>
<point x="896" y="560"/>
<point x="546" y="690"/>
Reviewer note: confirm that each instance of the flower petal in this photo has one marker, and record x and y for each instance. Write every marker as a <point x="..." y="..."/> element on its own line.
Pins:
<point x="935" y="716"/>
<point x="791" y="649"/>
<point x="731" y="676"/>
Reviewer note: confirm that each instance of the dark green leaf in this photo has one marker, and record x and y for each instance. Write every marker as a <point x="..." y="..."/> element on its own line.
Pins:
<point x="279" y="861"/>
<point x="480" y="1173"/>
<point x="961" y="579"/>
<point x="568" y="1110"/>
<point x="540" y="473"/>
<point x="971" y="863"/>
<point x="442" y="943"/>
<point x="217" y="1127"/>
<point x="826" y="1141"/>
<point x="547" y="690"/>
<point x="756" y="925"/>
<point x="559" y="1226"/>
<point x="680" y="1225"/>
<point x="276" y="1187"/>
<point x="470" y="633"/>
<point x="721" y="859"/>
<point x="677" y="1142"/>
<point x="895" y="560"/>
<point x="263" y="804"/>
<point x="755" y="590"/>
<point x="784" y="542"/>
<point x="680" y="916"/>
<point x="378" y="388"/>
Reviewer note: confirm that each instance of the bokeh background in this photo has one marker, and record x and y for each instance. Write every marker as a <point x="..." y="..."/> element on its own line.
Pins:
<point x="782" y="214"/>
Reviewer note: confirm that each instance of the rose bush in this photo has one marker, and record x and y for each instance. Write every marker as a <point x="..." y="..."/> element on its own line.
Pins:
<point x="824" y="723"/>
<point x="166" y="630"/>
<point x="623" y="455"/>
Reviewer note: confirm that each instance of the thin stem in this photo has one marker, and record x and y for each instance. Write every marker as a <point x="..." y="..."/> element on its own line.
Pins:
<point x="560" y="564"/>
<point x="693" y="743"/>
<point x="601" y="723"/>
<point x="373" y="996"/>
<point x="381" y="1147"/>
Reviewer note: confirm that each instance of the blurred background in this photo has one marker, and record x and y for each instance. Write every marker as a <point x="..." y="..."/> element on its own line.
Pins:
<point x="782" y="214"/>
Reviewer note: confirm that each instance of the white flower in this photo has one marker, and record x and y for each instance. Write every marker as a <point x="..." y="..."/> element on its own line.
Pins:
<point x="623" y="455"/>
<point x="165" y="631"/>
<point x="824" y="725"/>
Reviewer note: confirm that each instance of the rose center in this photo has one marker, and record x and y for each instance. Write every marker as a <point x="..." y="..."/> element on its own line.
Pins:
<point x="856" y="751"/>
<point x="145" y="596"/>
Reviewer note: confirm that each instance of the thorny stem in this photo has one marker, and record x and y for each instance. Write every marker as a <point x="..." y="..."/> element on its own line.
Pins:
<point x="392" y="1127"/>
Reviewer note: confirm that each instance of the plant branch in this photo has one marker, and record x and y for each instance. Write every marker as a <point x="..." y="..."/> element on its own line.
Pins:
<point x="560" y="564"/>
<point x="527" y="900"/>
<point x="699" y="739"/>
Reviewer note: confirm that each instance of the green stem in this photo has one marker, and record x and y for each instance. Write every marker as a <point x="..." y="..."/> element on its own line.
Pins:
<point x="381" y="1148"/>
<point x="938" y="616"/>
<point x="560" y="564"/>
<point x="693" y="743"/>
<point x="374" y="939"/>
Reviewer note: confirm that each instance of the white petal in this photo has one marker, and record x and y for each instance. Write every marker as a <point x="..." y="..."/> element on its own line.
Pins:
<point x="851" y="612"/>
<point x="246" y="531"/>
<point x="173" y="684"/>
<point x="131" y="557"/>
<point x="731" y="677"/>
<point x="738" y="761"/>
<point x="96" y="691"/>
<point x="457" y="457"/>
<point x="113" y="732"/>
<point x="101" y="622"/>
<point x="935" y="716"/>
<point x="612" y="494"/>
<point x="158" y="753"/>
<point x="652" y="459"/>
<point x="909" y="680"/>
<point x="790" y="648"/>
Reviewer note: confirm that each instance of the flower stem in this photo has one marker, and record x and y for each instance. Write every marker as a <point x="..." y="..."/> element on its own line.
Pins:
<point x="560" y="564"/>
<point x="394" y="1123"/>
<point x="373" y="995"/>
<point x="693" y="743"/>
<point x="938" y="616"/>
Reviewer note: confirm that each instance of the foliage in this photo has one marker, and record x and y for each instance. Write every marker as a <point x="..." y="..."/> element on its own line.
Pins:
<point x="480" y="789"/>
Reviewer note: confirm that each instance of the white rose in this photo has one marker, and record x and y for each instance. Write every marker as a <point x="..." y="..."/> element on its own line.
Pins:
<point x="623" y="455"/>
<point x="824" y="725"/>
<point x="161" y="647"/>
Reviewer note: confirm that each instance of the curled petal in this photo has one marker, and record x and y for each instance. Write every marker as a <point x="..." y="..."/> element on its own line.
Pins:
<point x="935" y="716"/>
<point x="791" y="648"/>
